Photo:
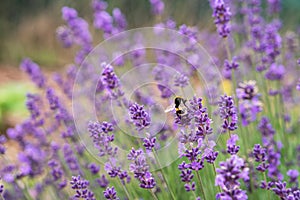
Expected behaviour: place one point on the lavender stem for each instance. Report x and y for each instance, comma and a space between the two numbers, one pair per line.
201, 185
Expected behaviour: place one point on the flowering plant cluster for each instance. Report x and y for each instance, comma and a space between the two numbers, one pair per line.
231, 138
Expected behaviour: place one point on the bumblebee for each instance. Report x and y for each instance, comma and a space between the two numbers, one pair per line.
178, 102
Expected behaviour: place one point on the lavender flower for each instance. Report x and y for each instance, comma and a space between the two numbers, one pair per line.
209, 154
94, 169
266, 129
8, 173
56, 170
186, 174
32, 159
157, 6
139, 116
165, 90
70, 158
181, 80
110, 193
33, 70
33, 105
120, 20
262, 168
234, 194
260, 155
273, 6
102, 181
273, 150
203, 123
298, 85
102, 137
249, 102
202, 120
110, 81
247, 90
140, 169
229, 66
64, 35
147, 182
196, 163
192, 154
49, 117
78, 26
274, 163
272, 41
81, 188
281, 190
99, 5
149, 143
190, 187
222, 15
104, 21
1, 189
63, 115
52, 99
115, 171
228, 176
2, 141
186, 138
232, 148
293, 174
111, 169
275, 72
190, 32
77, 32
109, 78
228, 113
66, 83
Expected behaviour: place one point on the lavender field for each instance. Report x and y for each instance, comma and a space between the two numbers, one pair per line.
168, 110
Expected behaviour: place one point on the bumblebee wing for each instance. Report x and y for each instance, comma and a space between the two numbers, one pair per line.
170, 108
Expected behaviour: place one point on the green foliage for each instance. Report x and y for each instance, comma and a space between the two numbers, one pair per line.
12, 98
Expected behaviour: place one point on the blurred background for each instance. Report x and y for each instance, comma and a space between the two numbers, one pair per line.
27, 29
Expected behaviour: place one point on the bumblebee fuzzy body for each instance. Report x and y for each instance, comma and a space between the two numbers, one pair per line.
178, 101
179, 109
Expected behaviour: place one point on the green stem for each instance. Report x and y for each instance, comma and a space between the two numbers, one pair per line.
26, 193
282, 125
244, 139
133, 190
213, 164
153, 194
215, 171
201, 185
265, 177
234, 85
227, 49
233, 80
265, 87
125, 189
194, 194
163, 175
